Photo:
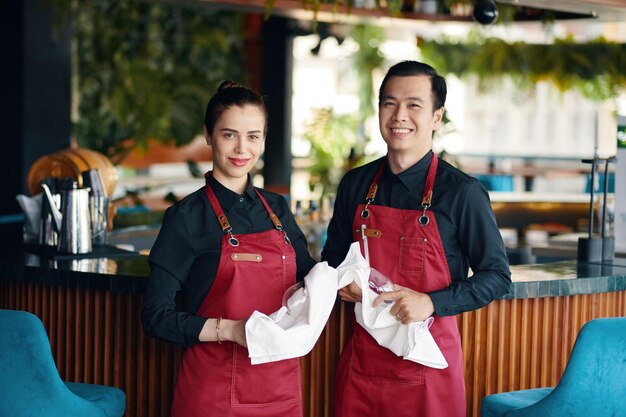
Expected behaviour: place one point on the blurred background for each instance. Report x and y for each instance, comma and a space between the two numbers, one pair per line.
535, 86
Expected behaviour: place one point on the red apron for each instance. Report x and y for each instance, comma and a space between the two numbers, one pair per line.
218, 379
371, 380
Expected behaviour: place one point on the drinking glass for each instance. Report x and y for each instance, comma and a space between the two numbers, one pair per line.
294, 296
380, 283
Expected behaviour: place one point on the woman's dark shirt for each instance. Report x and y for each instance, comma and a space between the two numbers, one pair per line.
186, 255
465, 220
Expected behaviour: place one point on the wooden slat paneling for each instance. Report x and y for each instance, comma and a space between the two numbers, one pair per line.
96, 337
537, 336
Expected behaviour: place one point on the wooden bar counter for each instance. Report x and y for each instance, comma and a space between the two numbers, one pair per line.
90, 308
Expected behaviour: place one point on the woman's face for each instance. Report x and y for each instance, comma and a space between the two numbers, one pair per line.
237, 141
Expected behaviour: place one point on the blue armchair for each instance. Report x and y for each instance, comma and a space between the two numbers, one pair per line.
593, 384
30, 384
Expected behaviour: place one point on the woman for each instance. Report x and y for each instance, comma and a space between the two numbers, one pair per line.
230, 249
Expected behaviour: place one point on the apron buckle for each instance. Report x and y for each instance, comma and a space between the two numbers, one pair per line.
233, 241
279, 227
423, 219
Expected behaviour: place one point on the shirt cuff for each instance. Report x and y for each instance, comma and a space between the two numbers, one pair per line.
193, 329
443, 302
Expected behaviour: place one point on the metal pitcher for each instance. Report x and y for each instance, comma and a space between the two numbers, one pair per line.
72, 221
47, 233
98, 206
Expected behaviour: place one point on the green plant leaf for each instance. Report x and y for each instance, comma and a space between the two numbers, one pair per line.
595, 68
146, 70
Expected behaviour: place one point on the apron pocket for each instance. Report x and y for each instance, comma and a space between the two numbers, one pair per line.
412, 255
372, 361
274, 383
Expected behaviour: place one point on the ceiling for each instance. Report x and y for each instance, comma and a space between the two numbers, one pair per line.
606, 10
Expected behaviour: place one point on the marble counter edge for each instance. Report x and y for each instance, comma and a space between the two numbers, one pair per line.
566, 287
129, 278
113, 282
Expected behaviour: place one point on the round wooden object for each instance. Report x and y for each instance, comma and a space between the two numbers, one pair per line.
70, 163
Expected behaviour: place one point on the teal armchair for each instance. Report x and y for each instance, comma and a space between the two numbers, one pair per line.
593, 384
30, 384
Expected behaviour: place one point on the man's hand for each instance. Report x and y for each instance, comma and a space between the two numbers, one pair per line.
409, 306
351, 293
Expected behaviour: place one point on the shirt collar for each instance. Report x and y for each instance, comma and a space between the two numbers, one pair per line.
227, 197
411, 177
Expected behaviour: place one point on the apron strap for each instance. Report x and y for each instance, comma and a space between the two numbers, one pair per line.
225, 224
430, 182
274, 218
428, 190
371, 193
217, 208
426, 196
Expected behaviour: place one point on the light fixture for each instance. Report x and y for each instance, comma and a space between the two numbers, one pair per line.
485, 12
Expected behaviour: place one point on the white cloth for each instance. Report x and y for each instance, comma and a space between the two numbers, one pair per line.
31, 206
282, 335
413, 341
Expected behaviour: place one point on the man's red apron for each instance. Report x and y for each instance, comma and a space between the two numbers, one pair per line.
218, 379
372, 381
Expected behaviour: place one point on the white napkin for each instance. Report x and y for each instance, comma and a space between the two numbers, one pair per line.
31, 206
282, 336
413, 341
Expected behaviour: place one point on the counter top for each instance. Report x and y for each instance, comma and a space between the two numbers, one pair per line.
566, 278
129, 274
124, 274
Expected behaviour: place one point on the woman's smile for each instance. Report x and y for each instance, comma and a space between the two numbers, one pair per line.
239, 162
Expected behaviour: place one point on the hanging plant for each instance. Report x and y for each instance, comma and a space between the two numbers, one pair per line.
144, 70
366, 60
595, 68
331, 136
338, 140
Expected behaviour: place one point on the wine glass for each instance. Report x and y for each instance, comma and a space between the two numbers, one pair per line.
380, 283
294, 296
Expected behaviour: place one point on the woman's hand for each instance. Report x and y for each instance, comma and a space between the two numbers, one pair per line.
229, 331
409, 305
234, 331
351, 293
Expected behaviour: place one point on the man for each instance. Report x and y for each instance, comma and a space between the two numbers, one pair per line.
427, 223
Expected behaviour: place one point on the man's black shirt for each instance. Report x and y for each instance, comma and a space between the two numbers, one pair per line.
465, 220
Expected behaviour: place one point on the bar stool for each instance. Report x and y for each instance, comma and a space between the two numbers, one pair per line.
593, 384
29, 380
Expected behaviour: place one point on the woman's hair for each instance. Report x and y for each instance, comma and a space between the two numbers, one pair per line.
229, 94
412, 68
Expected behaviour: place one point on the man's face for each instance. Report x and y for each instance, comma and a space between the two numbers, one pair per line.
406, 117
